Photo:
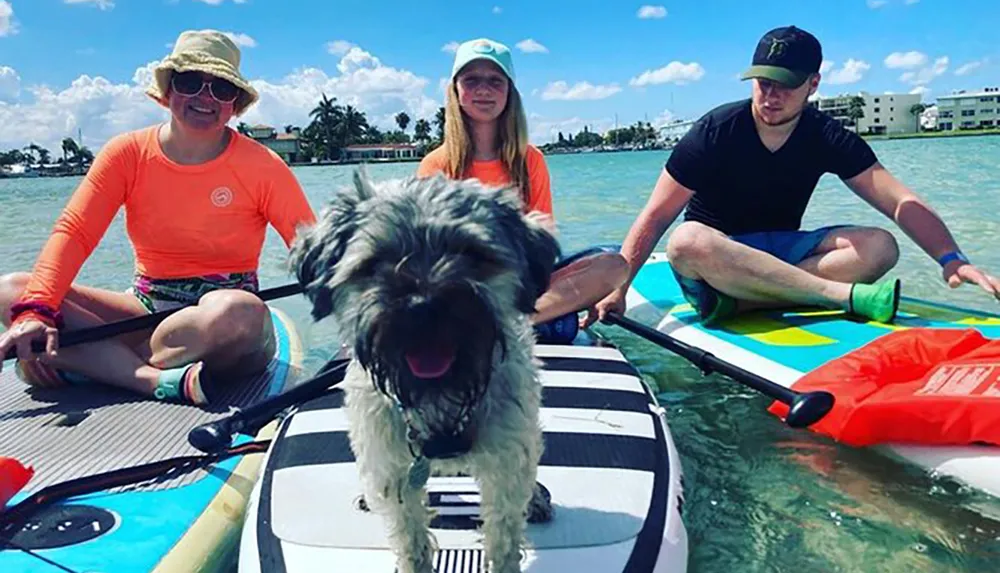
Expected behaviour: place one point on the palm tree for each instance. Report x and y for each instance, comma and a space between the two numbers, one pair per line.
84, 156
326, 115
373, 135
33, 150
439, 122
69, 149
402, 120
352, 126
422, 130
856, 110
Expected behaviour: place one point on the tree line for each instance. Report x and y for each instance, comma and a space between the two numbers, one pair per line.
332, 127
72, 154
639, 133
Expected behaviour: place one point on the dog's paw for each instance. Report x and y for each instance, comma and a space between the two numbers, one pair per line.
540, 507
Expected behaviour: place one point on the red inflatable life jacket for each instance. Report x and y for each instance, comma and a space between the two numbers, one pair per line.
918, 386
13, 477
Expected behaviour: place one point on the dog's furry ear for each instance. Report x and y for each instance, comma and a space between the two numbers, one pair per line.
540, 250
319, 248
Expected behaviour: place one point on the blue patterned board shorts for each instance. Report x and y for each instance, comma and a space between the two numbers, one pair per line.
165, 294
792, 247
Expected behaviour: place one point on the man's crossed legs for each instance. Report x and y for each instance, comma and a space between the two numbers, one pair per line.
832, 267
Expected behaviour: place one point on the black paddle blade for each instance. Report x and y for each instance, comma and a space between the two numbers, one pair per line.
809, 408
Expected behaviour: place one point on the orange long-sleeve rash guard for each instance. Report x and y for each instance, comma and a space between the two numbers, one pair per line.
183, 220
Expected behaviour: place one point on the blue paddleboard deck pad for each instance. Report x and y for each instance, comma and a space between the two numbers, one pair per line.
182, 523
784, 344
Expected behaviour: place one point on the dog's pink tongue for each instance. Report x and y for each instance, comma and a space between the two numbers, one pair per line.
430, 362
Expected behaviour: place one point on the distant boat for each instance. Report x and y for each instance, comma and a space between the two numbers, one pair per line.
20, 170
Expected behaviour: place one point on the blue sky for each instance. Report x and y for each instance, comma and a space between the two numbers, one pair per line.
81, 64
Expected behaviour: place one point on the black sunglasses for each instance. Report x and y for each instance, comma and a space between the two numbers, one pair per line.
190, 84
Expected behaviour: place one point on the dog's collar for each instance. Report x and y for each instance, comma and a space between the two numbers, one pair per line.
441, 445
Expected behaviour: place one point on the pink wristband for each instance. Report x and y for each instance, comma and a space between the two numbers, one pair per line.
38, 308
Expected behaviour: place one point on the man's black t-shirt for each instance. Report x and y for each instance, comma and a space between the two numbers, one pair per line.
740, 186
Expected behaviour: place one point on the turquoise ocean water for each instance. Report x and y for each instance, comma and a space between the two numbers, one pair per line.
760, 496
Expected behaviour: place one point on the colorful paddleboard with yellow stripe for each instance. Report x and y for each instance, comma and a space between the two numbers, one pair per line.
783, 345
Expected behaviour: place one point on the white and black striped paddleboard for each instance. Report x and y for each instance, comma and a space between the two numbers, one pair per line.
610, 466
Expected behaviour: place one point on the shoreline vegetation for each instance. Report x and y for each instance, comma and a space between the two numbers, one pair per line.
341, 134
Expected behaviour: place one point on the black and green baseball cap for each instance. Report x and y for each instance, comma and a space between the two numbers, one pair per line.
786, 55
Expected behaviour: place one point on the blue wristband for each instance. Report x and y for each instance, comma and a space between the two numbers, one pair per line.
952, 256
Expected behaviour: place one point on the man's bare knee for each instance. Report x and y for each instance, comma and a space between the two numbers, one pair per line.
11, 287
690, 244
879, 250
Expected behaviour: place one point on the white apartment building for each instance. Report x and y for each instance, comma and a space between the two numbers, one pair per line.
969, 110
883, 113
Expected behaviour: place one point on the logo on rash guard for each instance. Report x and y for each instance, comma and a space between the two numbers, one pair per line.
222, 197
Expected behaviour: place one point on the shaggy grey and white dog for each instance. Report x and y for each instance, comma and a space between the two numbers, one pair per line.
431, 281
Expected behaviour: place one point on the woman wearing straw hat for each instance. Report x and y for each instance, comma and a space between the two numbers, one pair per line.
486, 137
198, 197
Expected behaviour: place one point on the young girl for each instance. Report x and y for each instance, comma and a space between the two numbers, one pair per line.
486, 138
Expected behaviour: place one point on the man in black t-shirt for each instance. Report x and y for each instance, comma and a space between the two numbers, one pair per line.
746, 171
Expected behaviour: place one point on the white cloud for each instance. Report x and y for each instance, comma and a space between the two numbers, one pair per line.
825, 67
922, 90
665, 117
242, 40
450, 47
530, 46
102, 4
648, 12
926, 74
560, 90
970, 67
873, 4
674, 72
94, 105
8, 27
103, 109
852, 72
10, 83
497, 9
905, 60
338, 47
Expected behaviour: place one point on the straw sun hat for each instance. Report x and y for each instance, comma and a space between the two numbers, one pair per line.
207, 51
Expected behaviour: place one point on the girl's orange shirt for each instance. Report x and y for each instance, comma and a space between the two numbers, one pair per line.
182, 220
493, 173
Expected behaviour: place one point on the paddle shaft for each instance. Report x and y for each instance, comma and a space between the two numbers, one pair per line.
215, 436
806, 408
111, 329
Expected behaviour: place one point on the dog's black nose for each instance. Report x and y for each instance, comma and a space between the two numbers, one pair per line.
421, 311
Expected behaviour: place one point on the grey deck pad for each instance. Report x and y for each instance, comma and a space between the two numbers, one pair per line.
77, 431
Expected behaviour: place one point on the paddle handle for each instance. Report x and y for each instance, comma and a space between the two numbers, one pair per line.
111, 329
804, 409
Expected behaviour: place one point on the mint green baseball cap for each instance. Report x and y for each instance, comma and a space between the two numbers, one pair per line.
484, 49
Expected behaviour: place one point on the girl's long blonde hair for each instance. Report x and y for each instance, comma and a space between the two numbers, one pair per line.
512, 139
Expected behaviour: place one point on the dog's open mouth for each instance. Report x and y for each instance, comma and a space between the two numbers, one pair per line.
431, 360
